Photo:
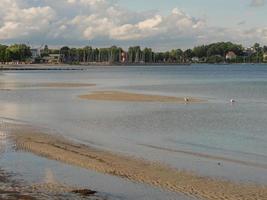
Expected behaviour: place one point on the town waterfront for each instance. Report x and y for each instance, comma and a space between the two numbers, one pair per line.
212, 138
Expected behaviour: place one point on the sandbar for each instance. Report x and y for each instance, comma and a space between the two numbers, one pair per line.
136, 97
58, 148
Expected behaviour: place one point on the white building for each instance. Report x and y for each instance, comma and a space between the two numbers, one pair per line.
52, 59
35, 53
195, 59
230, 55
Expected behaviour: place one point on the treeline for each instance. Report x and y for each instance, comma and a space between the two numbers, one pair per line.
212, 53
18, 52
114, 55
216, 52
89, 54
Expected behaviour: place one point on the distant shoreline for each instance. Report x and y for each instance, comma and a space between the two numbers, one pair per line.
64, 66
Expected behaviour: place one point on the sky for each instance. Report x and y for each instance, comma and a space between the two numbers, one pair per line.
159, 24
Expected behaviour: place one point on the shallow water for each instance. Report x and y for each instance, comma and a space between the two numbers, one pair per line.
107, 187
216, 139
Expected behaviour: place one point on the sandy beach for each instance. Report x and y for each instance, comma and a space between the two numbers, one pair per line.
33, 140
136, 97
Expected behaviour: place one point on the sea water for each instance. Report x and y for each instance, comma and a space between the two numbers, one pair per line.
217, 138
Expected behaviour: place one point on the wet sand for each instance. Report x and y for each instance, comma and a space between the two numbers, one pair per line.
58, 148
134, 97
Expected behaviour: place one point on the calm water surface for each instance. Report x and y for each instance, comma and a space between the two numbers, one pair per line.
216, 139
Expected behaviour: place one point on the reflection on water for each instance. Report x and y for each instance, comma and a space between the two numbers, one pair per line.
60, 178
49, 176
8, 107
218, 128
3, 141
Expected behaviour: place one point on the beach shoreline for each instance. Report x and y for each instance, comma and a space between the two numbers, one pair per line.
73, 67
36, 141
82, 66
66, 85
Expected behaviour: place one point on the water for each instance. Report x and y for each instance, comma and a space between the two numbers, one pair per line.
216, 139
107, 187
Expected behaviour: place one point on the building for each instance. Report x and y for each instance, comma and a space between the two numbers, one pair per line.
124, 57
195, 59
52, 59
230, 55
35, 53
265, 57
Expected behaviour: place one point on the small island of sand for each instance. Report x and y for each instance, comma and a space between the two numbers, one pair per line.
135, 97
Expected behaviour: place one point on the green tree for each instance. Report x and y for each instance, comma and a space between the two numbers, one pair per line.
148, 55
219, 48
19, 52
177, 55
45, 51
257, 47
200, 51
65, 54
215, 59
188, 54
3, 53
135, 54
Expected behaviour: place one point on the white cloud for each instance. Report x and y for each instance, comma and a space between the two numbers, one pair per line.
150, 23
86, 2
16, 21
59, 22
177, 24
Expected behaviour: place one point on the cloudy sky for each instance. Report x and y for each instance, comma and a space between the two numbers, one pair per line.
160, 24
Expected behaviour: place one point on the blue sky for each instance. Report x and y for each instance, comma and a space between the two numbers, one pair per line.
160, 24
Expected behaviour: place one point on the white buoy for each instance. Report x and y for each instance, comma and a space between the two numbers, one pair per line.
232, 101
